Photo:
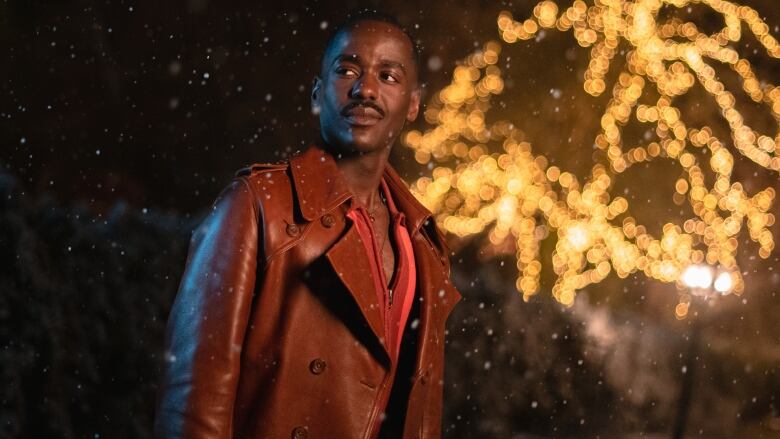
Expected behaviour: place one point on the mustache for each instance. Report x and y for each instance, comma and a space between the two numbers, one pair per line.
368, 104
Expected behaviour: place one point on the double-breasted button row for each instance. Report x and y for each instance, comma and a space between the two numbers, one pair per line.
327, 220
317, 366
293, 229
425, 377
300, 432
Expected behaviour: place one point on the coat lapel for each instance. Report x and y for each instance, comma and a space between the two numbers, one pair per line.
319, 189
348, 259
439, 296
319, 186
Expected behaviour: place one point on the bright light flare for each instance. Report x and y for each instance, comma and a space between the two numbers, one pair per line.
697, 276
724, 283
578, 237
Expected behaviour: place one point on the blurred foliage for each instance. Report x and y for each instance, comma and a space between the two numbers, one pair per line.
83, 303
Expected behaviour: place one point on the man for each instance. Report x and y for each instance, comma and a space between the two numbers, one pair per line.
315, 293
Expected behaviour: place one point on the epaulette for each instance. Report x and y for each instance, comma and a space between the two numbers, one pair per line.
258, 167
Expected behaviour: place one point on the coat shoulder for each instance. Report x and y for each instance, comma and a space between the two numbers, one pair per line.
262, 167
270, 182
273, 189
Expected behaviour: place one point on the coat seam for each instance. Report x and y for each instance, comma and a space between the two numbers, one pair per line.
378, 398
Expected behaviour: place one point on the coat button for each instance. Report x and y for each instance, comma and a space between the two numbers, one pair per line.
328, 220
293, 229
425, 377
300, 432
317, 366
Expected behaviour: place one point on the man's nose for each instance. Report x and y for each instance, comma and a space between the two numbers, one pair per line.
365, 88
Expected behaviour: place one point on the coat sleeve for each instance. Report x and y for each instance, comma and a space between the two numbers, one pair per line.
208, 320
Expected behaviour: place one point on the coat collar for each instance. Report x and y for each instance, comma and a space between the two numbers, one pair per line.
320, 188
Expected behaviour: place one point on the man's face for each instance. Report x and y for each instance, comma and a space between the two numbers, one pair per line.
367, 89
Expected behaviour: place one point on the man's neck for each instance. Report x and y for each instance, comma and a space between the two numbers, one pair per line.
363, 173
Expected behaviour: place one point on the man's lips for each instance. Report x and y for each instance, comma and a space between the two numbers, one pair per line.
360, 115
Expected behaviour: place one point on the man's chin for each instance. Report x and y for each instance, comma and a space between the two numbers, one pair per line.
366, 148
359, 145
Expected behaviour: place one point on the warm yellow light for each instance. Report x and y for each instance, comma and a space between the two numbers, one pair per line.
697, 276
494, 181
723, 283
578, 237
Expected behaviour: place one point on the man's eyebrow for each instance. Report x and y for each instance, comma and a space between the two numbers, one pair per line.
356, 59
395, 64
347, 57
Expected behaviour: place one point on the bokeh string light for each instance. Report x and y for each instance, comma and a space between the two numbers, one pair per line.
517, 193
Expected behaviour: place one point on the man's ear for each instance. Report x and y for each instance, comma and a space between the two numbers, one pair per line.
316, 89
414, 105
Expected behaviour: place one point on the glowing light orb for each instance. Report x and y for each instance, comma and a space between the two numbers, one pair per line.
697, 276
723, 283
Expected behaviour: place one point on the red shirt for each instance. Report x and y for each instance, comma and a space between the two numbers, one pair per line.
397, 296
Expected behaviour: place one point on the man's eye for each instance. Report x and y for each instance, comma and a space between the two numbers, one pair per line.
345, 71
389, 77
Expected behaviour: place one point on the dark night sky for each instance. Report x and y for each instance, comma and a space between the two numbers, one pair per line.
158, 103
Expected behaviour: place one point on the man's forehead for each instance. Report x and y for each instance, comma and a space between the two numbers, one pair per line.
369, 34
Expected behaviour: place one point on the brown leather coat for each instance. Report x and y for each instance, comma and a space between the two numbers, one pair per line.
276, 330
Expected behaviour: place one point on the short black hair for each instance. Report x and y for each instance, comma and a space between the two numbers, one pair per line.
361, 15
